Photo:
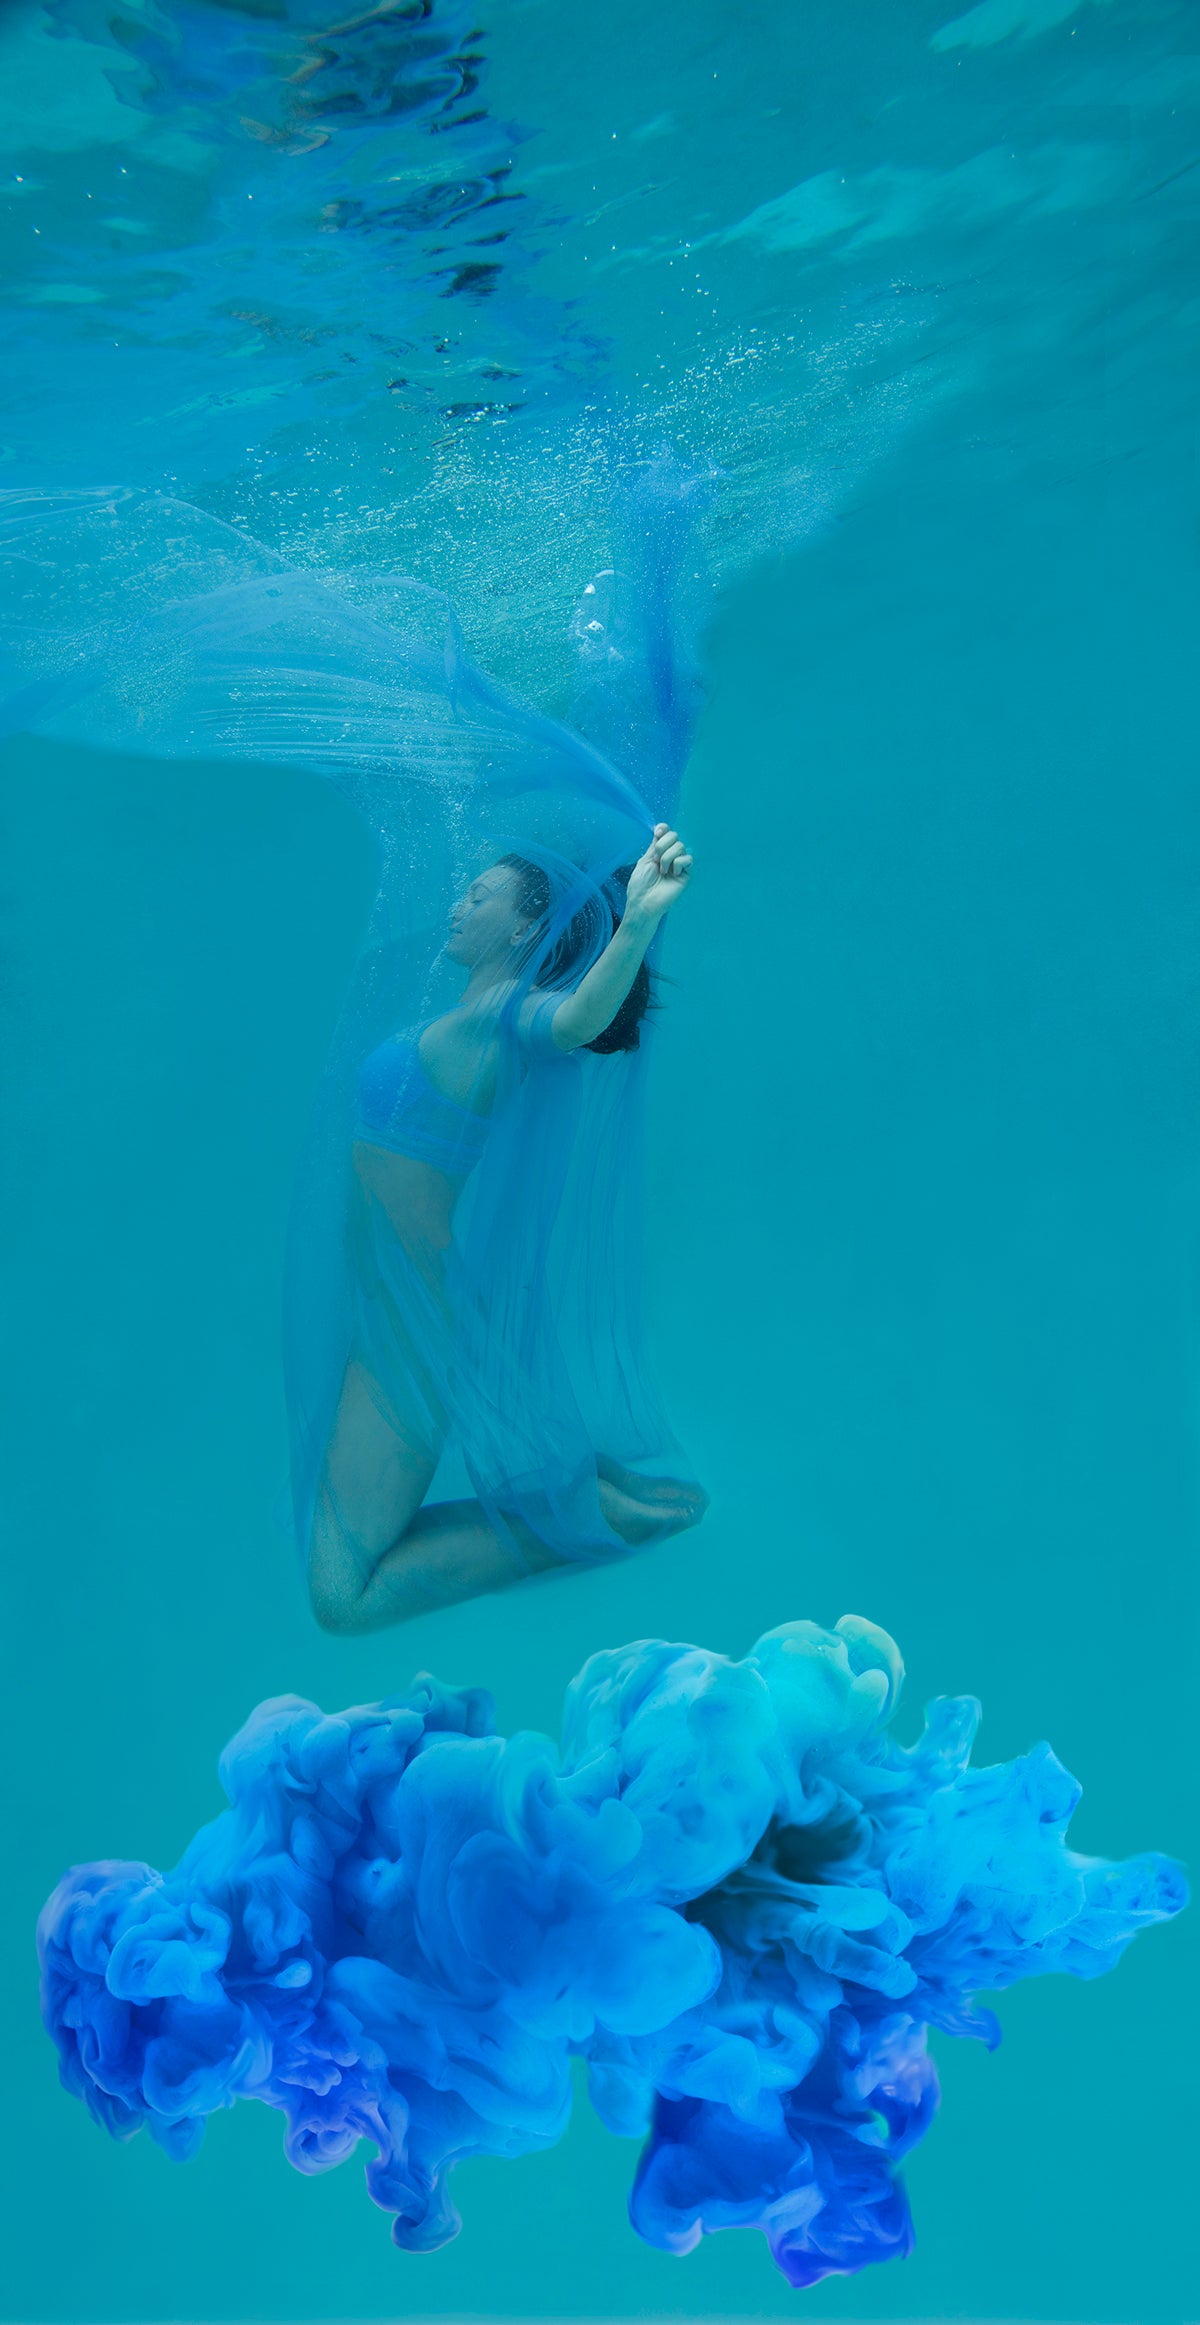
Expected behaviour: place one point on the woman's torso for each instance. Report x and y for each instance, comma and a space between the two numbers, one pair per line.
425, 1102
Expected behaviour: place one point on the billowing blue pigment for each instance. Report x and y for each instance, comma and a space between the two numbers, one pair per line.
730, 1891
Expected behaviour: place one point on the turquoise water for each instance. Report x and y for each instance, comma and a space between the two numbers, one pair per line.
925, 1301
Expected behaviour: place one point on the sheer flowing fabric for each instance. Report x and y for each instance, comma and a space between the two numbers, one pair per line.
136, 623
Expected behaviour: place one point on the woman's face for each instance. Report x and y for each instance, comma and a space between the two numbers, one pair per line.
485, 924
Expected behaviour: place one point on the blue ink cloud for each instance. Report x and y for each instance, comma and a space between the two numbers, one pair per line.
730, 1892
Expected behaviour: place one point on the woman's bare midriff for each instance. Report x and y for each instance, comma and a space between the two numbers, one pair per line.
418, 1199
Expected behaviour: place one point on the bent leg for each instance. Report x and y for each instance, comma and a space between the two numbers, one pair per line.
377, 1557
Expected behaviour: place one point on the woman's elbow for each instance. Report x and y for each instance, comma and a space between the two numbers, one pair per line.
566, 1033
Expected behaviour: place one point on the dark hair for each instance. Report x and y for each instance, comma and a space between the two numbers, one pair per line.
583, 933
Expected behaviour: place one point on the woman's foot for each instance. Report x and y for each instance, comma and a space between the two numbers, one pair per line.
646, 1509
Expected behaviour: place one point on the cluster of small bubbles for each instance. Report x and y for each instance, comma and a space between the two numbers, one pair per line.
510, 524
464, 436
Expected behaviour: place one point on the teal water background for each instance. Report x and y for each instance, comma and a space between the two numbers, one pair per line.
925, 1280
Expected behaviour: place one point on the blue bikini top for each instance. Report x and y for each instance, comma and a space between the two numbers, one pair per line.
400, 1108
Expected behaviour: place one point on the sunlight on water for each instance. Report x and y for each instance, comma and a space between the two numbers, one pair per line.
321, 279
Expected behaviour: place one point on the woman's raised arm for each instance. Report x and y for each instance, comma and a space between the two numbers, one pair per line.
656, 880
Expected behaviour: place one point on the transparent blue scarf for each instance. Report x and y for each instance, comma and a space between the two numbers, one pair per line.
134, 622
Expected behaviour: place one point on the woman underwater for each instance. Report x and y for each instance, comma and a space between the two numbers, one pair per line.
468, 1400
377, 1552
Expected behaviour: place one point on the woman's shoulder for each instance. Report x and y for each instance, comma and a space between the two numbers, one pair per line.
535, 1020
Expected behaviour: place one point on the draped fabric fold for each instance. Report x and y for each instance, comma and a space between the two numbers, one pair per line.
133, 622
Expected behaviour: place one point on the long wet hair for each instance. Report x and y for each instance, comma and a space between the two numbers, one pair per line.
577, 940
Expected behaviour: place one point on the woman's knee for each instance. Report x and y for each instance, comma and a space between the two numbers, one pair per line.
335, 1580
336, 1611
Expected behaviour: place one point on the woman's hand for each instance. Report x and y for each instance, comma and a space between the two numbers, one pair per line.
654, 883
658, 877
